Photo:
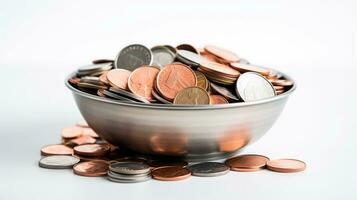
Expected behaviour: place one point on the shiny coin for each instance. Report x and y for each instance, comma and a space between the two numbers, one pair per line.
252, 86
171, 173
192, 96
94, 68
91, 149
72, 132
141, 81
208, 169
118, 78
286, 165
187, 47
128, 176
191, 57
129, 168
282, 82
100, 61
56, 149
202, 81
92, 86
224, 91
91, 168
172, 49
166, 163
222, 53
133, 56
247, 163
162, 56
116, 96
58, 162
217, 99
128, 95
136, 180
173, 78
250, 68
91, 79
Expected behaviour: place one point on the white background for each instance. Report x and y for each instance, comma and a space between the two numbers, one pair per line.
312, 41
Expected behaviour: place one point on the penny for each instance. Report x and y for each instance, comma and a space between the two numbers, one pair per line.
133, 56
187, 47
56, 149
74, 81
170, 173
84, 139
90, 132
58, 162
100, 93
219, 69
218, 99
118, 78
252, 86
141, 81
173, 78
91, 149
208, 169
129, 95
72, 132
250, 68
192, 96
129, 168
91, 168
247, 163
202, 81
279, 92
282, 82
286, 165
100, 61
278, 87
103, 78
224, 92
165, 163
222, 53
162, 56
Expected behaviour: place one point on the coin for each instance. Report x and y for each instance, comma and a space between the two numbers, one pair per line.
278, 87
56, 149
192, 96
193, 58
100, 93
173, 78
278, 92
128, 95
170, 173
141, 81
159, 98
202, 81
172, 49
82, 124
244, 61
132, 180
72, 132
58, 162
91, 168
91, 86
91, 80
286, 165
103, 78
219, 69
208, 169
250, 68
133, 56
252, 86
218, 99
222, 53
247, 163
118, 78
187, 47
84, 139
91, 149
282, 82
74, 81
129, 168
166, 163
100, 61
94, 68
162, 56
224, 91
116, 96
90, 132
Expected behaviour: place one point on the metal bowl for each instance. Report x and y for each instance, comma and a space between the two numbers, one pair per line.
191, 132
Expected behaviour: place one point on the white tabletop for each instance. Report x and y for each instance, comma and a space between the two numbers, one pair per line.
313, 43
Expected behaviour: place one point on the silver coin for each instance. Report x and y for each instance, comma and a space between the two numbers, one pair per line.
224, 91
172, 49
129, 168
129, 181
116, 96
91, 79
133, 56
94, 67
184, 56
252, 86
159, 98
128, 95
244, 61
162, 56
208, 169
92, 86
58, 162
127, 176
187, 47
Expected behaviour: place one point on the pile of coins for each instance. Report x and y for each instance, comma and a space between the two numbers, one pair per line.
184, 75
95, 157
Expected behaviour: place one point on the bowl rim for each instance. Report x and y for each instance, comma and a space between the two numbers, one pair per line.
180, 107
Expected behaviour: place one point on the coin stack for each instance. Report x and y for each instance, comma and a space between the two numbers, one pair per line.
129, 172
181, 75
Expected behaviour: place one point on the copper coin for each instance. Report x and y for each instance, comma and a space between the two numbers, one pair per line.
84, 139
103, 78
218, 99
91, 168
250, 68
90, 132
72, 132
247, 163
192, 96
202, 81
280, 92
74, 81
141, 81
56, 149
173, 78
92, 149
220, 69
166, 163
278, 87
282, 82
286, 165
118, 78
222, 53
82, 124
100, 93
187, 47
171, 173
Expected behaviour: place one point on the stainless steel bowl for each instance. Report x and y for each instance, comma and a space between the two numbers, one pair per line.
192, 132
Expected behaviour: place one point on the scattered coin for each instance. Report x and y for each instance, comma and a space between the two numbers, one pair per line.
91, 168
192, 96
162, 56
58, 162
118, 78
91, 149
286, 165
56, 149
129, 168
247, 163
170, 173
208, 169
218, 99
141, 81
133, 56
72, 132
84, 139
222, 53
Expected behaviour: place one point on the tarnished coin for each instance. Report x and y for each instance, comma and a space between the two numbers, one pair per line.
171, 173
192, 96
224, 91
162, 56
250, 68
217, 99
58, 162
208, 169
72, 132
166, 163
247, 163
252, 86
187, 47
129, 168
116, 96
222, 53
91, 168
286, 165
141, 81
118, 78
128, 95
193, 58
100, 61
56, 149
133, 56
202, 81
91, 149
